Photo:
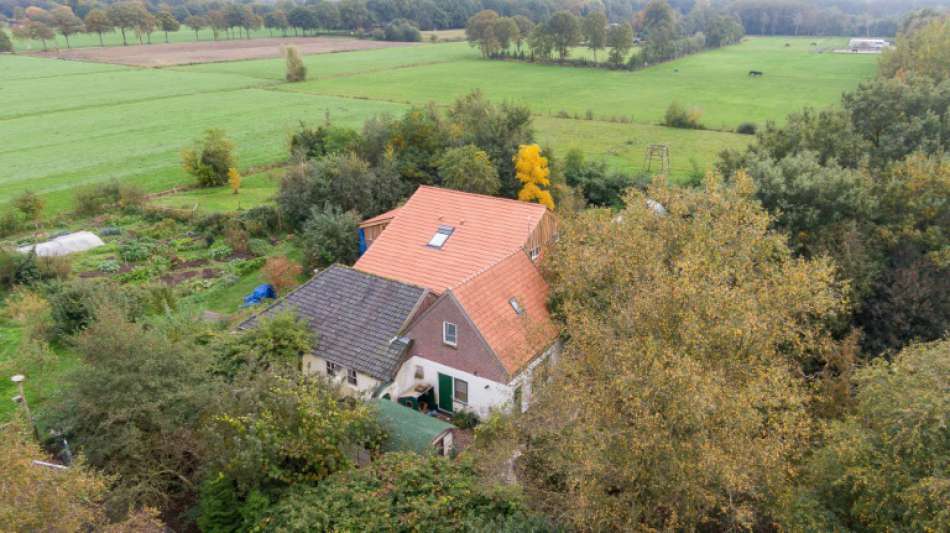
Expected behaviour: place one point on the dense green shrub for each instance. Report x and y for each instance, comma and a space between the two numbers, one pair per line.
678, 116
465, 419
746, 128
277, 342
75, 304
403, 488
330, 236
209, 159
261, 221
108, 266
402, 30
219, 252
884, 466
343, 180
315, 143
295, 68
212, 226
134, 250
9, 223
6, 45
96, 198
599, 186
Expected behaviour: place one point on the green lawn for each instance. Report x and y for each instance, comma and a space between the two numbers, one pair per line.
41, 381
74, 123
715, 81
255, 189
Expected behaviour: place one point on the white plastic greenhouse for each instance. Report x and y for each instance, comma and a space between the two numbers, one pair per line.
67, 244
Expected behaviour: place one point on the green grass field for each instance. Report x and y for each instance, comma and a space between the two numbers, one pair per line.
69, 123
715, 81
85, 40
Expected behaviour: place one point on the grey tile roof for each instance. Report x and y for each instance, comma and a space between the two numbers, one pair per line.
355, 315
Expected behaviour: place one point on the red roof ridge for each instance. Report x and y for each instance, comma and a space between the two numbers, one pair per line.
382, 216
483, 196
488, 267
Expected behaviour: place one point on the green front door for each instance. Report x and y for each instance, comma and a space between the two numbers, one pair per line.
445, 393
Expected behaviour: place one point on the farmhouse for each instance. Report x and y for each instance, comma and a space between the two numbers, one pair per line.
478, 344
358, 321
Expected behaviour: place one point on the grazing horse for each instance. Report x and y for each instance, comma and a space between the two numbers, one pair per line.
755, 73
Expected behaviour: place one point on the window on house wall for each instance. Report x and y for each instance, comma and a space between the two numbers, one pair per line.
516, 399
450, 334
420, 372
461, 391
535, 253
516, 305
332, 369
351, 377
441, 235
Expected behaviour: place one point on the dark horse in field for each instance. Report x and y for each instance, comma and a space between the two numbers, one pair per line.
755, 73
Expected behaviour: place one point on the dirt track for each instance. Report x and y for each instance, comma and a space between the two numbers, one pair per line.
163, 55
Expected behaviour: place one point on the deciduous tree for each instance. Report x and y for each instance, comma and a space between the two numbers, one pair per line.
532, 171
565, 31
620, 41
33, 30
920, 52
594, 28
884, 466
167, 22
281, 273
468, 169
329, 237
66, 22
692, 320
480, 32
133, 408
197, 23
97, 21
210, 159
127, 15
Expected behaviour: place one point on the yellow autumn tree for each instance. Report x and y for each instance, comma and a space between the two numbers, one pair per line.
234, 179
532, 170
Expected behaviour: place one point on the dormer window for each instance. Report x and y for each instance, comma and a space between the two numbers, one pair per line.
441, 235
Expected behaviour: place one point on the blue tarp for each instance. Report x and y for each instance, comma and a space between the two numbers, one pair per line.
362, 241
260, 293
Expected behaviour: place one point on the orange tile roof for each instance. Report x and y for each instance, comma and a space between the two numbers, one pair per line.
380, 218
486, 230
486, 297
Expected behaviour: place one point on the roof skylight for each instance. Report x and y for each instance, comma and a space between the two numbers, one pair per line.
516, 305
441, 235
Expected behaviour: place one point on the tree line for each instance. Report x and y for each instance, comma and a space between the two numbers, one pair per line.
663, 35
758, 17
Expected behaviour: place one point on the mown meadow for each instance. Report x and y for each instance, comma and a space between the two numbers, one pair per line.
71, 123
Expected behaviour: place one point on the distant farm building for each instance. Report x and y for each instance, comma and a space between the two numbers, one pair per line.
868, 45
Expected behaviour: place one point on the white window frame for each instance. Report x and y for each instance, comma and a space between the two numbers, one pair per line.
535, 253
352, 377
420, 372
455, 334
455, 391
332, 369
